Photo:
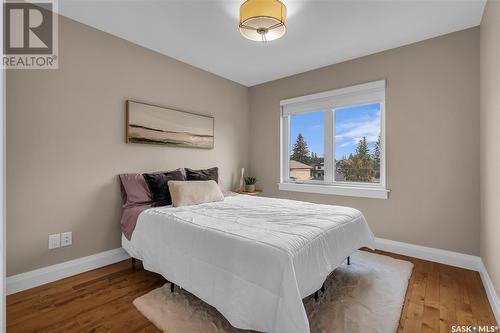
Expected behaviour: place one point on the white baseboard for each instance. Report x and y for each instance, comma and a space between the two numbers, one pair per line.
56, 272
456, 259
490, 291
448, 258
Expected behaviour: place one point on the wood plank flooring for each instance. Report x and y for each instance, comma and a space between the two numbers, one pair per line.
438, 296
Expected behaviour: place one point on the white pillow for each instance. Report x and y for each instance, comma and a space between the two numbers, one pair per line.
185, 193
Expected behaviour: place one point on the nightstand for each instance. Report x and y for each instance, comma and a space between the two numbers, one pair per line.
256, 192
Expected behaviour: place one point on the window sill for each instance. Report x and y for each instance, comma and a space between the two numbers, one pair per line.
351, 191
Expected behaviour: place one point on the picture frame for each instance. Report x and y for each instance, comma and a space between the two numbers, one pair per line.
158, 125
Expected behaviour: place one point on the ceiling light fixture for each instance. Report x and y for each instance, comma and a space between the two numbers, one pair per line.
262, 20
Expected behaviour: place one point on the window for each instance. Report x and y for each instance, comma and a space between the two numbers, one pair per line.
333, 142
307, 146
357, 143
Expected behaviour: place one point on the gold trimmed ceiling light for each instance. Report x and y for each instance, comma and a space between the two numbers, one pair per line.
262, 20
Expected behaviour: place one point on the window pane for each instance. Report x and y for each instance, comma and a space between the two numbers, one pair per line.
307, 141
357, 143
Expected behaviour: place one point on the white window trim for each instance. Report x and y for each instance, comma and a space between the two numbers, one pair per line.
331, 189
372, 92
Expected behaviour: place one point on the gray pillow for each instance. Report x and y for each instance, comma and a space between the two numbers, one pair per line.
157, 183
203, 174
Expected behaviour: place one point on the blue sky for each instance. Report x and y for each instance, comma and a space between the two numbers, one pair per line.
312, 127
351, 124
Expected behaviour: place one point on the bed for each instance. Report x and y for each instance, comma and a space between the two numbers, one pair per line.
253, 258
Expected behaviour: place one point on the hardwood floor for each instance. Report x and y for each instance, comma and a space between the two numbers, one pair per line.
438, 296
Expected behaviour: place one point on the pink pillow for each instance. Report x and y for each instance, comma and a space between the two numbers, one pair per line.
135, 190
129, 218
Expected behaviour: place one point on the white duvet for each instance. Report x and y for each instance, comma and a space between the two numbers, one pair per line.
252, 258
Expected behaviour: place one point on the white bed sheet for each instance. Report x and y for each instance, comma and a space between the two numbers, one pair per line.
252, 258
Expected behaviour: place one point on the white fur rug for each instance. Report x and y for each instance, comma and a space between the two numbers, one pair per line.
366, 296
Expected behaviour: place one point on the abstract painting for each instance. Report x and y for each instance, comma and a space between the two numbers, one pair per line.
153, 124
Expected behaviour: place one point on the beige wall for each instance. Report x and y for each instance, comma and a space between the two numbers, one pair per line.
65, 140
490, 141
432, 139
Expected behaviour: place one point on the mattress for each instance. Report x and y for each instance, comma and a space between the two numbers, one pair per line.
253, 258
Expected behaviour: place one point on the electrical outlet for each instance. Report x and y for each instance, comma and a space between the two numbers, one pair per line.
66, 238
54, 241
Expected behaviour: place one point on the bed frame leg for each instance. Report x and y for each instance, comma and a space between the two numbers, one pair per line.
133, 263
348, 260
316, 296
323, 288
172, 285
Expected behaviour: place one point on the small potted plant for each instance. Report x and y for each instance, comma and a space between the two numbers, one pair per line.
250, 183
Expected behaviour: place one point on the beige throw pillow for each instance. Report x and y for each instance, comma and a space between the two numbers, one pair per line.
185, 193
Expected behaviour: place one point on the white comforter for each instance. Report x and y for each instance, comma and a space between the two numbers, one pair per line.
252, 258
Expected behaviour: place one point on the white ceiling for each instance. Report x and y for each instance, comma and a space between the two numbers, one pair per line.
204, 33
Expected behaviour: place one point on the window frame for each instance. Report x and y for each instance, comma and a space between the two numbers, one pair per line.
328, 102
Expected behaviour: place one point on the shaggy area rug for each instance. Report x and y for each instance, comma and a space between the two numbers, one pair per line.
366, 296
